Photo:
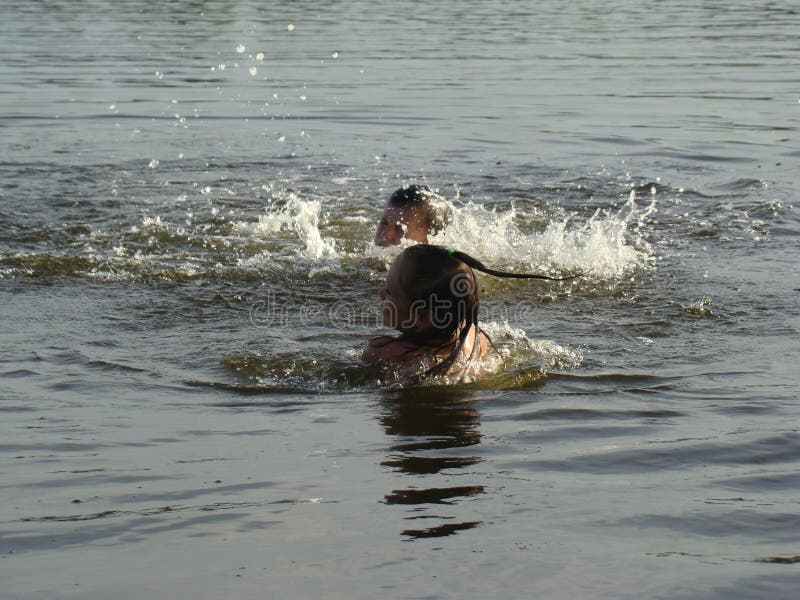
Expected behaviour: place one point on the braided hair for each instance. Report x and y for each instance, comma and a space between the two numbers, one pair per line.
436, 277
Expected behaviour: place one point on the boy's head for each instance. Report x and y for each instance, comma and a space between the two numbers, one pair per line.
412, 212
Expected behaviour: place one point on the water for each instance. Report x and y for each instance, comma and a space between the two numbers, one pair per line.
185, 298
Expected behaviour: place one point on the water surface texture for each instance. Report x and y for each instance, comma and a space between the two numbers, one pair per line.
188, 192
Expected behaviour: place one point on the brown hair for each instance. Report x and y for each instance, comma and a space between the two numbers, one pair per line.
434, 277
421, 197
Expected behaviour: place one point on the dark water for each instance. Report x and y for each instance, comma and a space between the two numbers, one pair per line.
184, 299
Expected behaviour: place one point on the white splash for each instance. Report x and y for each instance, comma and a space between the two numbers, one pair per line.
300, 216
153, 223
607, 245
517, 348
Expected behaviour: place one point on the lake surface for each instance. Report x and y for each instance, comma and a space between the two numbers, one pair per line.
188, 192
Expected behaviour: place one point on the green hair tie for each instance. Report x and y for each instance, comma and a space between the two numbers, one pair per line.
450, 252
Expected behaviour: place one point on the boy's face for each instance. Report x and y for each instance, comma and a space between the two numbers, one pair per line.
397, 223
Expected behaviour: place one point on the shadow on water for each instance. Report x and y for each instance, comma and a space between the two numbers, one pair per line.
432, 430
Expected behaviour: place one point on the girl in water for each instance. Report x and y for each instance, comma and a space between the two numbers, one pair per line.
431, 298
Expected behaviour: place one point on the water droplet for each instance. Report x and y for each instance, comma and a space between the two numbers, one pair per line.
260, 56
290, 27
240, 49
282, 138
335, 55
221, 67
303, 98
253, 71
153, 164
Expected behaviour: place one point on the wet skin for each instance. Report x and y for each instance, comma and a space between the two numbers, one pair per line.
397, 223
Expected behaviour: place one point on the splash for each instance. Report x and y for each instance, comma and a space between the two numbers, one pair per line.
608, 245
199, 241
519, 361
301, 217
702, 308
152, 223
516, 348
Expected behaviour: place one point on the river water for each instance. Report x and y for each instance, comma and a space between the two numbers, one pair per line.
188, 192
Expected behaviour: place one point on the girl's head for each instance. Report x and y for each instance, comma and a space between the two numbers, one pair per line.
429, 294
431, 297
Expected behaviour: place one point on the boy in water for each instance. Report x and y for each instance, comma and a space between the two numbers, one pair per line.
412, 212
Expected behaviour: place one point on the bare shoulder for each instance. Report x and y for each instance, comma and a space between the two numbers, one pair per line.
386, 348
484, 345
470, 351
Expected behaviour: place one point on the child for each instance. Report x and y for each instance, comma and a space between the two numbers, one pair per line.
431, 298
412, 212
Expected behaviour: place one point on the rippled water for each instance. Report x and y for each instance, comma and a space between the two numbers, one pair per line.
188, 192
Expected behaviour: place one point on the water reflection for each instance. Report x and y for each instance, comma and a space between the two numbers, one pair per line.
431, 425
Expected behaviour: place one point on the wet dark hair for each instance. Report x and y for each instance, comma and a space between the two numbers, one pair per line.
421, 196
410, 195
434, 274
